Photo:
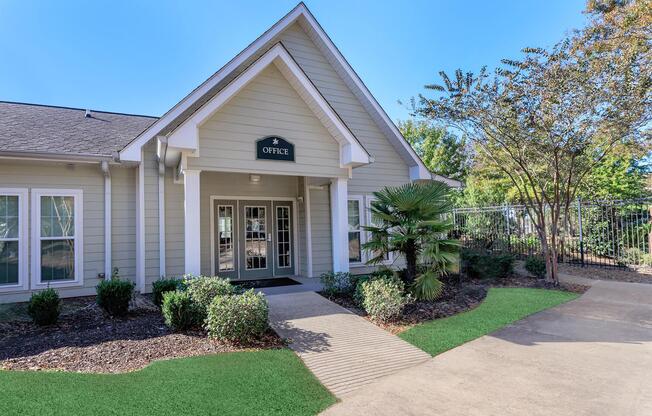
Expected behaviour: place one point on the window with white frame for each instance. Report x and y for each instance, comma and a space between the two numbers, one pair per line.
355, 229
370, 220
57, 231
13, 226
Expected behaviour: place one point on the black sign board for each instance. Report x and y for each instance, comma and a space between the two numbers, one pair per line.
274, 148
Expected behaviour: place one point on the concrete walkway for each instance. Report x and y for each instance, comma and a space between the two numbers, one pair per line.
591, 356
343, 350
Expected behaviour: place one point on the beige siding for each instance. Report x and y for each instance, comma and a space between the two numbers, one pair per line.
88, 178
152, 270
388, 167
123, 222
174, 244
236, 185
268, 105
320, 218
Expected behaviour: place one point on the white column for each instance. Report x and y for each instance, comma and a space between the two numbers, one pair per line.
192, 226
140, 226
339, 224
308, 222
161, 218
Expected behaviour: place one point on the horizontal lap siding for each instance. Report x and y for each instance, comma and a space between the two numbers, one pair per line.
268, 105
236, 185
123, 222
152, 252
174, 226
320, 219
87, 177
388, 169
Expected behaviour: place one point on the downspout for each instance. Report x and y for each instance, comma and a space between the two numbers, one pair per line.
162, 140
104, 166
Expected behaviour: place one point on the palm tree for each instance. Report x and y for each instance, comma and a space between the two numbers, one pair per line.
412, 220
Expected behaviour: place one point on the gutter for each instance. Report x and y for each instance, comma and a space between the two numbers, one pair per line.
60, 157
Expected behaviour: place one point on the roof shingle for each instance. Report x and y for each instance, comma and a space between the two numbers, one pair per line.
34, 128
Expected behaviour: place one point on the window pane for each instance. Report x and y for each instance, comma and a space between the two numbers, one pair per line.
225, 238
8, 262
354, 248
57, 216
354, 215
8, 216
57, 260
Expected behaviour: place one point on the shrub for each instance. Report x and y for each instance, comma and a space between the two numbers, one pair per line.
484, 265
358, 280
237, 318
180, 311
536, 265
114, 295
44, 307
337, 283
383, 299
204, 289
427, 286
162, 286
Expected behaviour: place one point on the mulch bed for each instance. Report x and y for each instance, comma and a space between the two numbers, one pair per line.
457, 297
86, 340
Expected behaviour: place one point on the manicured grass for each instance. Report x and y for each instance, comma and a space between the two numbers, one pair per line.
272, 382
501, 307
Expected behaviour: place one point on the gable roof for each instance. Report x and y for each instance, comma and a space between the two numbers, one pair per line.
41, 129
209, 88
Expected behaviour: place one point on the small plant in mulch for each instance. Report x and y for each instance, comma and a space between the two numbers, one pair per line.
162, 286
114, 295
44, 307
536, 266
238, 318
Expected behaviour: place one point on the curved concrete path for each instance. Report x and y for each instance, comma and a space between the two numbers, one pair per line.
343, 350
591, 356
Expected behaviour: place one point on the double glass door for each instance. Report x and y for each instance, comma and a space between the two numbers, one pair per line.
253, 239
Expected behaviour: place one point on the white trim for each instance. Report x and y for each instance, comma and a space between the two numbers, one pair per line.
192, 221
186, 135
161, 222
360, 200
23, 239
308, 225
339, 224
310, 24
78, 198
108, 230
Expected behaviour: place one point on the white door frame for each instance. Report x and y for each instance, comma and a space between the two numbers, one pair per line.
295, 234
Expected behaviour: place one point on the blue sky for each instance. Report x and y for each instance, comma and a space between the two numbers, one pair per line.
143, 56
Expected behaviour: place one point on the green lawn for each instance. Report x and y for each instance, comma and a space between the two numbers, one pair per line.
501, 307
272, 382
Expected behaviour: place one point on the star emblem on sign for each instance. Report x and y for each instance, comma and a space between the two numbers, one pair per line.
275, 142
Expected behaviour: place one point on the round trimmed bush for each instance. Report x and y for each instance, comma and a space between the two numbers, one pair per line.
337, 283
204, 289
383, 299
238, 318
114, 296
180, 311
536, 265
162, 286
44, 307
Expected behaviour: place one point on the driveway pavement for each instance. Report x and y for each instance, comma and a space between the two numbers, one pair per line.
591, 356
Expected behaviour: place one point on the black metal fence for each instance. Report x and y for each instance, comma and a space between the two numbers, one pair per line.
614, 233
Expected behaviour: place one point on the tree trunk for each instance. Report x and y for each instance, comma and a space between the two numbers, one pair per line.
411, 261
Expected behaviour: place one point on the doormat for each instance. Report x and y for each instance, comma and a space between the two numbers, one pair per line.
260, 283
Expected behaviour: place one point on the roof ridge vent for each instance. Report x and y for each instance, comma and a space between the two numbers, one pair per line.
88, 113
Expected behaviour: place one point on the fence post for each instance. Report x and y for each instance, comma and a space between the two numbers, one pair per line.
649, 235
579, 225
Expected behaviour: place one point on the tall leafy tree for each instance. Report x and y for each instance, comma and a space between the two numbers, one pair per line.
441, 151
547, 120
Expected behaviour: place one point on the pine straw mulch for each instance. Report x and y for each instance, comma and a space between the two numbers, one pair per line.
86, 340
457, 297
